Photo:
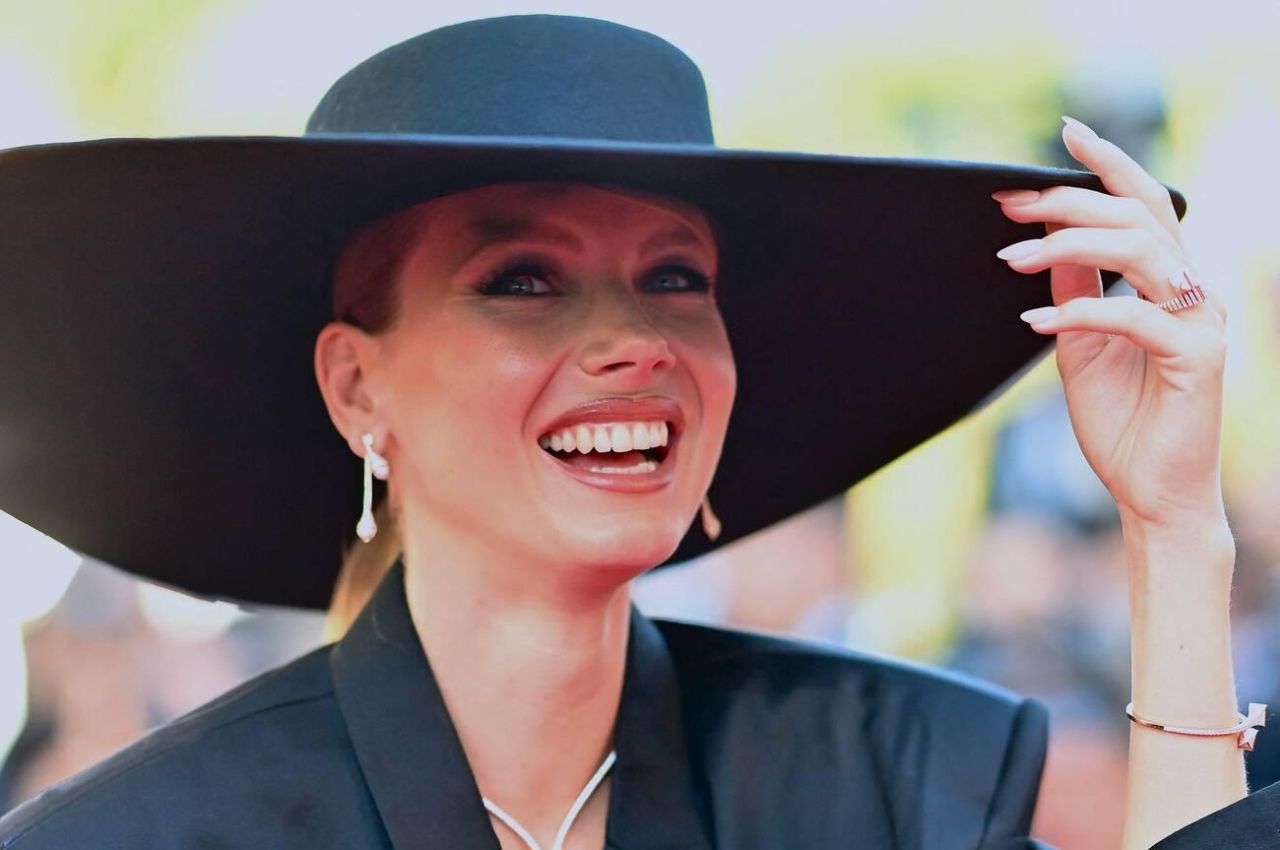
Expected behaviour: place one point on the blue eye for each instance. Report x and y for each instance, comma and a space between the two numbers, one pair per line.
522, 279
533, 279
678, 279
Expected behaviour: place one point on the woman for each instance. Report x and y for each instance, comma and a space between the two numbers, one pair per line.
555, 261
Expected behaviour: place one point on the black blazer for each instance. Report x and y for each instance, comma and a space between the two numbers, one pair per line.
725, 739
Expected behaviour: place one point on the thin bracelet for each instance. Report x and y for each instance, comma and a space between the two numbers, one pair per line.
1245, 727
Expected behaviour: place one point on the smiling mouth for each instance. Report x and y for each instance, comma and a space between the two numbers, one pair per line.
617, 448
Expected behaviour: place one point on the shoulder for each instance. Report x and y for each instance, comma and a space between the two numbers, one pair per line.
702, 651
1250, 823
205, 766
955, 760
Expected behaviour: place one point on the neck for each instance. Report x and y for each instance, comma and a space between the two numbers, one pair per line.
531, 671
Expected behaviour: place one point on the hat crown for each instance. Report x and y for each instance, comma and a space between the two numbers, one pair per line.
522, 76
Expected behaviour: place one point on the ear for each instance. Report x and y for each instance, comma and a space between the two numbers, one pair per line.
344, 360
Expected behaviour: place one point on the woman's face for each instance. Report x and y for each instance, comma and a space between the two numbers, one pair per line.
529, 313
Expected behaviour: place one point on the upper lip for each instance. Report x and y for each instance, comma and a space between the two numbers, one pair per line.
621, 409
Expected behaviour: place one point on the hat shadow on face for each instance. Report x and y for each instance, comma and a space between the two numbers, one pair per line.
423, 246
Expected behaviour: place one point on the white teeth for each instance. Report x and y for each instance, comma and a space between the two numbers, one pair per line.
601, 440
610, 437
620, 438
639, 469
640, 437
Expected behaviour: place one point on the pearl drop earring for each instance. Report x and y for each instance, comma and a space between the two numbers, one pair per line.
710, 522
375, 465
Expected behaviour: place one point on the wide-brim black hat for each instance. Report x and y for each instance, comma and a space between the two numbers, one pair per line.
160, 298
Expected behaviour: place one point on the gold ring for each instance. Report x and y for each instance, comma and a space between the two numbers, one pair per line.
1190, 293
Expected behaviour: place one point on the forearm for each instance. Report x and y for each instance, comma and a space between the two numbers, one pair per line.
1180, 588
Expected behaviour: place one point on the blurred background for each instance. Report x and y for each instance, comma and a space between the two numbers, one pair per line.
991, 549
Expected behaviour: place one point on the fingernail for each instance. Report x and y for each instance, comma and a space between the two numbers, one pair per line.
1039, 314
1079, 126
1016, 197
1019, 250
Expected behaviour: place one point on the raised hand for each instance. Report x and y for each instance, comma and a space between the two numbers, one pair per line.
1143, 386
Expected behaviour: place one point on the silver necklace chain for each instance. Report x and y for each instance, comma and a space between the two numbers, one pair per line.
569, 818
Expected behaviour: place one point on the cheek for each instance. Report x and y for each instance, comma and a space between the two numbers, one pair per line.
711, 362
708, 361
482, 383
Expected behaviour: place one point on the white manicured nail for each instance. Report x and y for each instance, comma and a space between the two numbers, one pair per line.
1039, 314
1019, 250
1079, 126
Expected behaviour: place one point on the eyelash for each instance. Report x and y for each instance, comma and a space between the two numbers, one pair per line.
490, 284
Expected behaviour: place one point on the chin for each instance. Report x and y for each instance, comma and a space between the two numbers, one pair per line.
631, 548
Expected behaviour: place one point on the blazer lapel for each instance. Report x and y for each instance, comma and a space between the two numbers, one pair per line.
413, 761
404, 740
658, 800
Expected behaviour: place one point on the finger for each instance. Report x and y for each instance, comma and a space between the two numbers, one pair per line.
1120, 173
1146, 325
1138, 254
1212, 299
1071, 281
1071, 205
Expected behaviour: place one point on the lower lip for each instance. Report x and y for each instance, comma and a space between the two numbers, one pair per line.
636, 482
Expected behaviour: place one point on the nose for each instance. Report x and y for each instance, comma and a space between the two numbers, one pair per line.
625, 343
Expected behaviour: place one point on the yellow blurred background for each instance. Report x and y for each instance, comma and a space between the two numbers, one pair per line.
959, 553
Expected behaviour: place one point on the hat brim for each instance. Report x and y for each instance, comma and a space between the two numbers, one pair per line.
159, 302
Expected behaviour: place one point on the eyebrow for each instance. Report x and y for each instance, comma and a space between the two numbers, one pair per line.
679, 236
492, 229
489, 230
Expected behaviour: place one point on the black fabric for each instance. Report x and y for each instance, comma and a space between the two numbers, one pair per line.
1252, 823
527, 75
725, 740
161, 298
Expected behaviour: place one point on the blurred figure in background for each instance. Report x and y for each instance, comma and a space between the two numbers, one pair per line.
1039, 618
792, 578
107, 665
1256, 519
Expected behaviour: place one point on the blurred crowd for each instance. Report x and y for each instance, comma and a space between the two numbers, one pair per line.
1034, 597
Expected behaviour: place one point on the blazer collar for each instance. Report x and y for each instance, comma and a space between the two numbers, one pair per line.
412, 759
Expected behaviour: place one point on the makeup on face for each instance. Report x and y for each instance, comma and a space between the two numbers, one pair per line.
561, 362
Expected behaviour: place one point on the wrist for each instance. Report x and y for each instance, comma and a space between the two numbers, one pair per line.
1195, 546
1180, 599
1205, 514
